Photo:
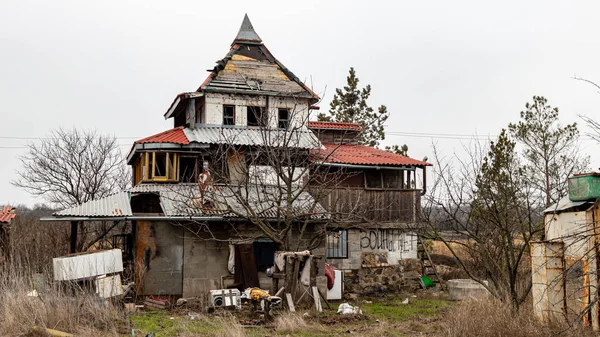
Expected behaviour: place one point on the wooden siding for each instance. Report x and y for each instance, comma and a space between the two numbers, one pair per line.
366, 205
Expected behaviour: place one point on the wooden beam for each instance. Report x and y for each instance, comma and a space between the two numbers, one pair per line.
290, 302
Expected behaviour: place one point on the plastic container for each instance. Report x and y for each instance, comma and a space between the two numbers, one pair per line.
584, 187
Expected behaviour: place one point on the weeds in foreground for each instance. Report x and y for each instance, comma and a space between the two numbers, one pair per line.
55, 307
493, 318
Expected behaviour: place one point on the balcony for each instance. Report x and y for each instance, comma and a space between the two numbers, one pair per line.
360, 205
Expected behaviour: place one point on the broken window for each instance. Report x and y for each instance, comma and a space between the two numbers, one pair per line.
337, 244
392, 178
257, 116
283, 118
158, 166
228, 114
373, 178
188, 169
264, 254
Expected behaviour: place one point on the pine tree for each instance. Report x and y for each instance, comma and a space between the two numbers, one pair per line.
550, 150
349, 105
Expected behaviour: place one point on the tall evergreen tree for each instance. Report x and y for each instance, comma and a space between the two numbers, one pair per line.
350, 105
550, 150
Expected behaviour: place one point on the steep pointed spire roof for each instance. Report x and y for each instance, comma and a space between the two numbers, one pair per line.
246, 34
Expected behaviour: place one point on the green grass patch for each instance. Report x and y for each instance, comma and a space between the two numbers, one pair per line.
164, 324
392, 309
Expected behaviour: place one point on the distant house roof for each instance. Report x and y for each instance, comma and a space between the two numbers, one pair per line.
334, 126
182, 201
7, 214
364, 155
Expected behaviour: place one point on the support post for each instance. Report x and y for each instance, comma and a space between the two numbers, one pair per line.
74, 225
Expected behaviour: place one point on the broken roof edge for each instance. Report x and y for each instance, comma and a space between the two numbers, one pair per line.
565, 204
178, 100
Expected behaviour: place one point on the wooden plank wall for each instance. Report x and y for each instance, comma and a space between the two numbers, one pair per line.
357, 204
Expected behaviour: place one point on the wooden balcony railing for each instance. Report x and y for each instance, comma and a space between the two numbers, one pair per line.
366, 205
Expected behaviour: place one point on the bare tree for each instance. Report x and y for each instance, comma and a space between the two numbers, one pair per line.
486, 205
71, 167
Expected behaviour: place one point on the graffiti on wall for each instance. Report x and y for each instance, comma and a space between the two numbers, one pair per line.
390, 239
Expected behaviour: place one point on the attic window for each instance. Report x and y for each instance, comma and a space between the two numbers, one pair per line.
257, 116
284, 115
158, 166
228, 114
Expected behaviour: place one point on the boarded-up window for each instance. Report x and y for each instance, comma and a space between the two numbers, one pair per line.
337, 244
228, 115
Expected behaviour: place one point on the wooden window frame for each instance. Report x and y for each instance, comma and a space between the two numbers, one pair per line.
342, 249
171, 167
232, 117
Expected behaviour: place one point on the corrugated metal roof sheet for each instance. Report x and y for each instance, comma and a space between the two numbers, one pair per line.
173, 136
263, 201
7, 214
364, 155
334, 126
111, 206
563, 205
184, 200
242, 135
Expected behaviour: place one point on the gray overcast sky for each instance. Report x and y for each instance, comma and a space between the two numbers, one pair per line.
449, 67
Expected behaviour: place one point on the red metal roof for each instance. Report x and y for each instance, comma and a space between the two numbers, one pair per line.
173, 136
334, 126
365, 155
7, 214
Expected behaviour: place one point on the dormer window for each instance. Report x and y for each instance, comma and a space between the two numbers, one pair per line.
228, 114
284, 115
257, 116
158, 166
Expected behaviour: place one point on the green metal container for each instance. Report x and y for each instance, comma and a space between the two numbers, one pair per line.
584, 187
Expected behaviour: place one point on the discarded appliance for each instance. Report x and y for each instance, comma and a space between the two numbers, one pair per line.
226, 298
87, 265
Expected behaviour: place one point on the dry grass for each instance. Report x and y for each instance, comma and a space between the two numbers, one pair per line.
55, 307
290, 322
494, 319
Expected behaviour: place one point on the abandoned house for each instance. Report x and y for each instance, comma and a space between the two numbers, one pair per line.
242, 173
376, 205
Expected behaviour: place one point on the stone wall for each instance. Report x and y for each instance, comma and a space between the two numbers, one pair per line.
400, 278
